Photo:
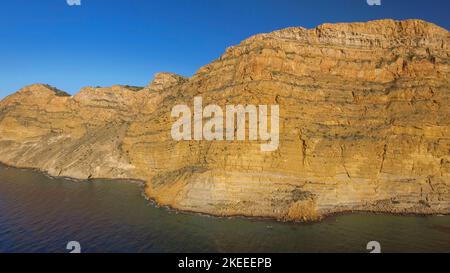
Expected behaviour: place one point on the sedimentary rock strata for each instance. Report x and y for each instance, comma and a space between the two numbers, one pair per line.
364, 125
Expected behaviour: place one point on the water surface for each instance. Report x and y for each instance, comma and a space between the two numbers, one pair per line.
42, 214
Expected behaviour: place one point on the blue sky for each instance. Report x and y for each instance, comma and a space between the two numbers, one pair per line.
106, 42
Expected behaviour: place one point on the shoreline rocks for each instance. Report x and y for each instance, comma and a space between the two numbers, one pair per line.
364, 125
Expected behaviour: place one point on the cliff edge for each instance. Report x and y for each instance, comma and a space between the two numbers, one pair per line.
364, 125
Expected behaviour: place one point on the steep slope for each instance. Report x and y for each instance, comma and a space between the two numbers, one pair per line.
364, 125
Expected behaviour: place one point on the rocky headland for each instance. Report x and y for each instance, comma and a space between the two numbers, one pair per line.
364, 125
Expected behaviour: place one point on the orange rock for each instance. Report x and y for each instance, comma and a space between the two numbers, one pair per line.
364, 125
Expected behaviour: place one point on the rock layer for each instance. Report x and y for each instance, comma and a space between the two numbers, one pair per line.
364, 125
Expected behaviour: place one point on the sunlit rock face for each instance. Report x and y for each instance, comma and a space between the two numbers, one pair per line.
364, 125
165, 80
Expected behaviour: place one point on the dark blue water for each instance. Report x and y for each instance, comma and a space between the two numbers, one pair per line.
42, 214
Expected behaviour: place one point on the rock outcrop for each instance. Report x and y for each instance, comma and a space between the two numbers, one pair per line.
364, 125
165, 80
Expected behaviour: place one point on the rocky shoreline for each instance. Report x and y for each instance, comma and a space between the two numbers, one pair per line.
364, 125
142, 184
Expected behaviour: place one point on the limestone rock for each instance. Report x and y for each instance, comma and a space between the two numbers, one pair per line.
364, 125
165, 80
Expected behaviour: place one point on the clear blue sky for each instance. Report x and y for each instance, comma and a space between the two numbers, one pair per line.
106, 42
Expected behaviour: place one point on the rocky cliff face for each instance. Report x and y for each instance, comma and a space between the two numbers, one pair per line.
364, 125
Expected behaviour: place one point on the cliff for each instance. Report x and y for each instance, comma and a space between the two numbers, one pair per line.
364, 125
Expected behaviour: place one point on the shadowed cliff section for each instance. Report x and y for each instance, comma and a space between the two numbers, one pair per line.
364, 125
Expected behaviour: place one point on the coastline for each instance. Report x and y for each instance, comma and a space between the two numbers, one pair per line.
142, 185
384, 150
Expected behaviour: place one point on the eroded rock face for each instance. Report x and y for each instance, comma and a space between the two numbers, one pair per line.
165, 80
364, 125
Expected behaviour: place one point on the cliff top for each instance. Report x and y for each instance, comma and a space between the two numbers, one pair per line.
385, 32
40, 88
